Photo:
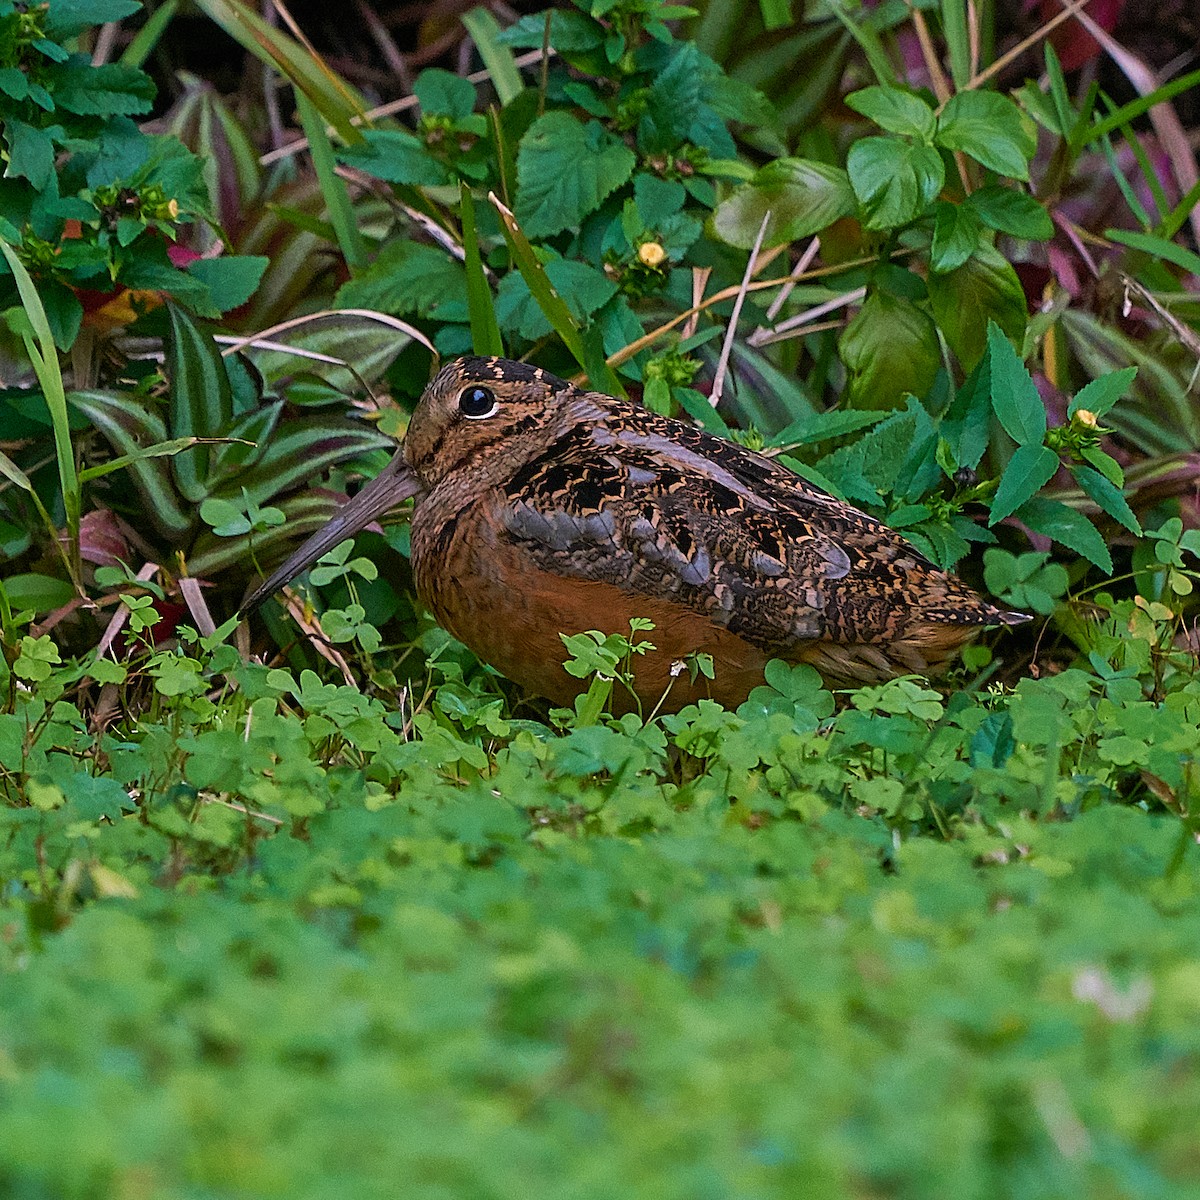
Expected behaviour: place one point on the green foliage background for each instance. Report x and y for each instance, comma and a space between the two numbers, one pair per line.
280, 931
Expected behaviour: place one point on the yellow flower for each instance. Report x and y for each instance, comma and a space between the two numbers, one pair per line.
652, 254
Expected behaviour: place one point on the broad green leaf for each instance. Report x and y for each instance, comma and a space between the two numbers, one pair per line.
894, 110
966, 423
583, 288
30, 152
564, 172
128, 424
396, 156
410, 277
1101, 394
1069, 527
1110, 498
37, 593
104, 91
231, 280
890, 349
989, 128
201, 400
803, 198
1015, 399
985, 288
955, 236
1027, 472
66, 18
894, 180
444, 93
1010, 211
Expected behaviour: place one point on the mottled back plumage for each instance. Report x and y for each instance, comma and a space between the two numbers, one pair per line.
541, 509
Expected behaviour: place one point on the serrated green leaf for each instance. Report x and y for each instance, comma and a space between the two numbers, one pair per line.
1010, 211
989, 128
410, 278
1027, 472
893, 180
105, 91
231, 280
66, 18
1015, 399
803, 197
894, 110
1110, 498
396, 156
985, 288
1101, 394
1069, 527
583, 288
30, 152
565, 170
445, 94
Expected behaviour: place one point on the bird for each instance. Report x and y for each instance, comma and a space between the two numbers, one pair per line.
542, 509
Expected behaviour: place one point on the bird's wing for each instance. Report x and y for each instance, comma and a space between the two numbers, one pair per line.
665, 511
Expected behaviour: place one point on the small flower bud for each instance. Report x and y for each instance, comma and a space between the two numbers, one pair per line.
652, 254
1086, 418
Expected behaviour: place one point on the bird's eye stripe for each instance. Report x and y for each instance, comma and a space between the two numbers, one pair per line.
476, 403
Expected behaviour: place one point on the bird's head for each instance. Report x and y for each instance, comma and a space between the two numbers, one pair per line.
479, 411
478, 418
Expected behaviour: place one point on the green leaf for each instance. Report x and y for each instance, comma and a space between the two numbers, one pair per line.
485, 332
564, 171
955, 236
803, 198
890, 349
66, 18
894, 180
894, 110
201, 400
1069, 527
30, 152
231, 280
583, 288
1015, 399
104, 91
571, 32
1013, 212
1101, 394
409, 277
989, 128
37, 593
497, 58
396, 156
965, 425
1110, 498
985, 288
1027, 472
333, 187
445, 94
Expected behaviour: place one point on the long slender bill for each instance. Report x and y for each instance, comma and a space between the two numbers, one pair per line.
393, 485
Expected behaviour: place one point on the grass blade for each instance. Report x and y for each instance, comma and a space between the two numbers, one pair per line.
333, 186
485, 332
553, 306
498, 59
44, 356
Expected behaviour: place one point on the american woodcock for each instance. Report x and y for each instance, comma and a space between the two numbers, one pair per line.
543, 509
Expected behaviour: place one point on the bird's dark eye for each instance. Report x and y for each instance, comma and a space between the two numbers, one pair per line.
477, 403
